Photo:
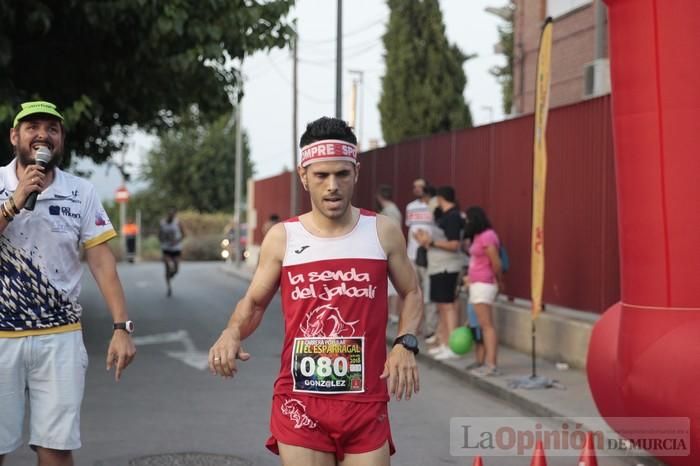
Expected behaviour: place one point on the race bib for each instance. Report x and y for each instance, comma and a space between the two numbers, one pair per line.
328, 365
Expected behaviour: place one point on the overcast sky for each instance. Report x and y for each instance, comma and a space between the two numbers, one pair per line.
267, 106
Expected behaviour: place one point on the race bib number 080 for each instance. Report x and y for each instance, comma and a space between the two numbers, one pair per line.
328, 365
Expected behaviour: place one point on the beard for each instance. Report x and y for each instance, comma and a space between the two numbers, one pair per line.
26, 155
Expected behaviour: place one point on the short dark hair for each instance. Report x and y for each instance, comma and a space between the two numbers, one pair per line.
446, 192
327, 128
420, 178
385, 191
477, 221
429, 190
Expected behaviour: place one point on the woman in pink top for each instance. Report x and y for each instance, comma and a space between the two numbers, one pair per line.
484, 280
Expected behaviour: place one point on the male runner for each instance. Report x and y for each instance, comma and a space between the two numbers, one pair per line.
171, 234
330, 398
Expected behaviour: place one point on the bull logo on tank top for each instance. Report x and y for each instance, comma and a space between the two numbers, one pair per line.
326, 321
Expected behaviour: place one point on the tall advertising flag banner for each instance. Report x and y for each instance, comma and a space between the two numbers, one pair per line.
539, 172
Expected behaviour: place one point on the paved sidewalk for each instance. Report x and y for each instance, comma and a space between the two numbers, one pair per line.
572, 402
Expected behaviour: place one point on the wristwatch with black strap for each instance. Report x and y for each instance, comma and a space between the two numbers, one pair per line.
409, 341
127, 326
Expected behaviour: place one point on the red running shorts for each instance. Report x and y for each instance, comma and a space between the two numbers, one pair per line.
333, 426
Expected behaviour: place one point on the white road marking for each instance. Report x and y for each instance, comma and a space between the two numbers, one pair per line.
197, 359
190, 355
160, 338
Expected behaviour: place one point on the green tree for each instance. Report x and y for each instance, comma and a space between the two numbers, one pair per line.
193, 168
422, 90
111, 64
504, 74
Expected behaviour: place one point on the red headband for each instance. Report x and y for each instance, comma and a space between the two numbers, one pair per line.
328, 150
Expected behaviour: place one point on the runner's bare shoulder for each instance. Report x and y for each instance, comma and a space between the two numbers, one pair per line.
274, 243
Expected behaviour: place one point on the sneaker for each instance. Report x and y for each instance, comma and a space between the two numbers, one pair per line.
446, 354
486, 371
431, 339
472, 366
437, 350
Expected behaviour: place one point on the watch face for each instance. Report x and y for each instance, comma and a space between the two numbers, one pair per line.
130, 326
410, 341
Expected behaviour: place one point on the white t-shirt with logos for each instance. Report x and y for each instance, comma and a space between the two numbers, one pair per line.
40, 267
419, 216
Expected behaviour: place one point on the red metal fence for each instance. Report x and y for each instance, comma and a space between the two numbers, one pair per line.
491, 166
270, 196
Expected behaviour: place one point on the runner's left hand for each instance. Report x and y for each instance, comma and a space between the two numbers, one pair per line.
225, 352
120, 353
401, 371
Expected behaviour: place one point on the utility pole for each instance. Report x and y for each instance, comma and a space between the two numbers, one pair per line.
352, 118
239, 180
339, 64
294, 185
138, 236
122, 206
600, 13
359, 115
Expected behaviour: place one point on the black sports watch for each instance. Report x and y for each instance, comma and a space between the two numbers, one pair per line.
409, 341
128, 326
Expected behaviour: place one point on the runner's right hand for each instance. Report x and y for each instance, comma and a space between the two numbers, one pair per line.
223, 355
401, 371
32, 180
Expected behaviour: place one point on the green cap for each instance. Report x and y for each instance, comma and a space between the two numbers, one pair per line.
35, 108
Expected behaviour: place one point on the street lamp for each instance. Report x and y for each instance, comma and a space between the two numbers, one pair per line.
358, 78
504, 12
489, 109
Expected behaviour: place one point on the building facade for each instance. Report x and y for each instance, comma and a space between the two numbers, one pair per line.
580, 68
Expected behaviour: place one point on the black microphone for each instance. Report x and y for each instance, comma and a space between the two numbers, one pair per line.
43, 157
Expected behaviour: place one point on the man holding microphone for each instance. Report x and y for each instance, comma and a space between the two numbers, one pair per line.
41, 344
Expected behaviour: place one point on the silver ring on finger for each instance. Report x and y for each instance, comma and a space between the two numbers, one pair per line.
217, 359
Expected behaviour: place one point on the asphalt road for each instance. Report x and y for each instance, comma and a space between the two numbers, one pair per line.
167, 405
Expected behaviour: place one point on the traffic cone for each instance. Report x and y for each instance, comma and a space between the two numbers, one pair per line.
538, 458
477, 461
588, 457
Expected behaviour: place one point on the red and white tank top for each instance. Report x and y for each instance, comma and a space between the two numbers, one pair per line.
334, 301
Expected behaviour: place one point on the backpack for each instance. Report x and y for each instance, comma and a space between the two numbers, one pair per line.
505, 260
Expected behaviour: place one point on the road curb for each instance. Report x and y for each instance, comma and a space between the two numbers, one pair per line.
483, 384
512, 397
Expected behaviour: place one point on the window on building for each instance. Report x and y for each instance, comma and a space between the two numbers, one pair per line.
560, 7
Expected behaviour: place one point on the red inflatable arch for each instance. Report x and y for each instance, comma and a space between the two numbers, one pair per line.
644, 355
